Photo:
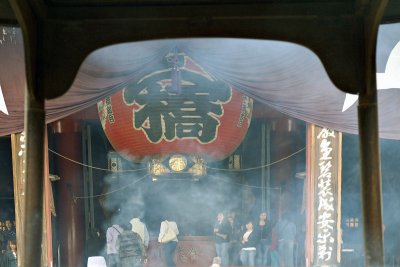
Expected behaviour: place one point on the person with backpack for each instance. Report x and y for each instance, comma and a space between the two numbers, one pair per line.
130, 247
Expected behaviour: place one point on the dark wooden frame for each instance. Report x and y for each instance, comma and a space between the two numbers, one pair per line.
59, 34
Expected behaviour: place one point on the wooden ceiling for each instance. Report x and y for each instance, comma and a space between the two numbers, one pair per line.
59, 34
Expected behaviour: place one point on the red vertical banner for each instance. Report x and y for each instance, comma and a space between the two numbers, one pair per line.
324, 168
309, 202
47, 251
18, 159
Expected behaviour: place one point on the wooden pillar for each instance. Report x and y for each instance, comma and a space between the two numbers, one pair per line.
34, 171
68, 143
371, 187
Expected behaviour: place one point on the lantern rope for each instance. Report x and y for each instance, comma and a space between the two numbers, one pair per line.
112, 191
210, 168
93, 167
258, 167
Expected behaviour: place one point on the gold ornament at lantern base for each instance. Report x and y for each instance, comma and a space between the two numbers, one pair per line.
176, 164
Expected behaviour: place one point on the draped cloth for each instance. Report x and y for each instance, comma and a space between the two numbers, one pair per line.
285, 76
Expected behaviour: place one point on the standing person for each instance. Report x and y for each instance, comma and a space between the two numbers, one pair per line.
265, 230
250, 240
9, 232
169, 238
10, 256
3, 243
234, 239
111, 237
216, 262
286, 235
131, 251
221, 235
273, 250
140, 228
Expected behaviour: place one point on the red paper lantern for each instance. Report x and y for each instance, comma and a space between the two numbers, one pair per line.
176, 109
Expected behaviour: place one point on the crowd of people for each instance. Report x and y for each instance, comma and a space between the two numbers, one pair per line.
250, 243
8, 257
127, 243
255, 242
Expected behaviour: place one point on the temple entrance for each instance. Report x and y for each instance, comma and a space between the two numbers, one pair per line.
255, 178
